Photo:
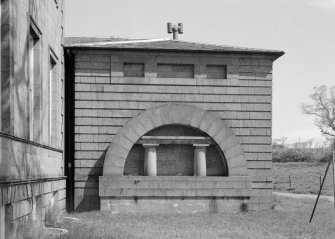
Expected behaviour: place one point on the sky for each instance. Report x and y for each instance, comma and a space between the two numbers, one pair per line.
304, 29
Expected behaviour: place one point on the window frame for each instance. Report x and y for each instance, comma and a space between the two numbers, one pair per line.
52, 94
34, 69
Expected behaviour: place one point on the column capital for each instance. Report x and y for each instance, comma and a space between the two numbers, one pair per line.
200, 145
150, 145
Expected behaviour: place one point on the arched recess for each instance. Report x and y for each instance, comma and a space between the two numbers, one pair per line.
181, 114
174, 158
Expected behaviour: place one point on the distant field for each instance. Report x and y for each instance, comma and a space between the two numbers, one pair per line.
305, 177
289, 219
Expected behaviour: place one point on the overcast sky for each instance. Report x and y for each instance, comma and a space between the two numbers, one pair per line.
304, 29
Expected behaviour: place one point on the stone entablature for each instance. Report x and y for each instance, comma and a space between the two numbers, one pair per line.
175, 140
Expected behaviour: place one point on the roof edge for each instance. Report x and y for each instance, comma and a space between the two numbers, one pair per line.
253, 51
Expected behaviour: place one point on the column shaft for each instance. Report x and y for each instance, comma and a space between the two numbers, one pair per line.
200, 159
150, 159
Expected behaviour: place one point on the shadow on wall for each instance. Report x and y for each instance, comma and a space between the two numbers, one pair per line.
87, 199
18, 160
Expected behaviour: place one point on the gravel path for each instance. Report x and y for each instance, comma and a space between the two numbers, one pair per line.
308, 196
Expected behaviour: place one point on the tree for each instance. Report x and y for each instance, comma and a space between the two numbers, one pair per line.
280, 141
322, 109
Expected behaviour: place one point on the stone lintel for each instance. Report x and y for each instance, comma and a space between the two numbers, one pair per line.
200, 145
150, 145
175, 140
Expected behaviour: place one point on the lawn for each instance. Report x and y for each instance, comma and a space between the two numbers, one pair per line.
289, 219
305, 177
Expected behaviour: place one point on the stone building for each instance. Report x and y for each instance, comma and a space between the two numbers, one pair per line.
31, 117
168, 125
144, 125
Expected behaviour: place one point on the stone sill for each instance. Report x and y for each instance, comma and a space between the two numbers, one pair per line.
9, 182
26, 141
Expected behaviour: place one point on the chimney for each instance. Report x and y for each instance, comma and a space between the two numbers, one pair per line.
175, 29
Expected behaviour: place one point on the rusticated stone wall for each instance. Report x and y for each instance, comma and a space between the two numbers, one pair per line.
31, 148
105, 101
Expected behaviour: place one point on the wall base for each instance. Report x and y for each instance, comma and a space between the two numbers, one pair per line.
169, 205
24, 204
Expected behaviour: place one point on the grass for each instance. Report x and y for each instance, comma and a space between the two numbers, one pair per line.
289, 219
305, 177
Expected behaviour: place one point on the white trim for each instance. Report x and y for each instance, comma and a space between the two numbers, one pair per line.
119, 42
52, 89
31, 85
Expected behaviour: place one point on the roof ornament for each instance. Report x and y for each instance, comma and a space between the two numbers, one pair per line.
175, 29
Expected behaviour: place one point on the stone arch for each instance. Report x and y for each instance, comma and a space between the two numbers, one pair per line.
181, 114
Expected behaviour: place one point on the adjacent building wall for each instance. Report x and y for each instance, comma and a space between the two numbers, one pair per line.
105, 100
31, 137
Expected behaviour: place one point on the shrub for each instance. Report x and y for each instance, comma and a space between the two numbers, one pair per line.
29, 229
52, 216
244, 207
300, 155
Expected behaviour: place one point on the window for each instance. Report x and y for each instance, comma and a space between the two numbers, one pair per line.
216, 72
133, 69
52, 106
2, 221
35, 83
175, 71
1, 7
5, 119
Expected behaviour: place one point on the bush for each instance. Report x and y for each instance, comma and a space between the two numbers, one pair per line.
52, 216
29, 229
300, 155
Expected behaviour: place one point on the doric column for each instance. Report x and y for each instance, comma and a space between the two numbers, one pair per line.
150, 159
200, 159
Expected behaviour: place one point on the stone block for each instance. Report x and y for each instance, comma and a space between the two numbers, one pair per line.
155, 117
17, 210
215, 127
145, 120
202, 206
234, 151
11, 228
110, 169
207, 122
136, 125
228, 143
118, 150
176, 114
239, 171
165, 112
197, 118
237, 161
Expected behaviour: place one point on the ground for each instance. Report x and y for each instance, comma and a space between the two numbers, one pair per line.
273, 223
288, 218
305, 178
